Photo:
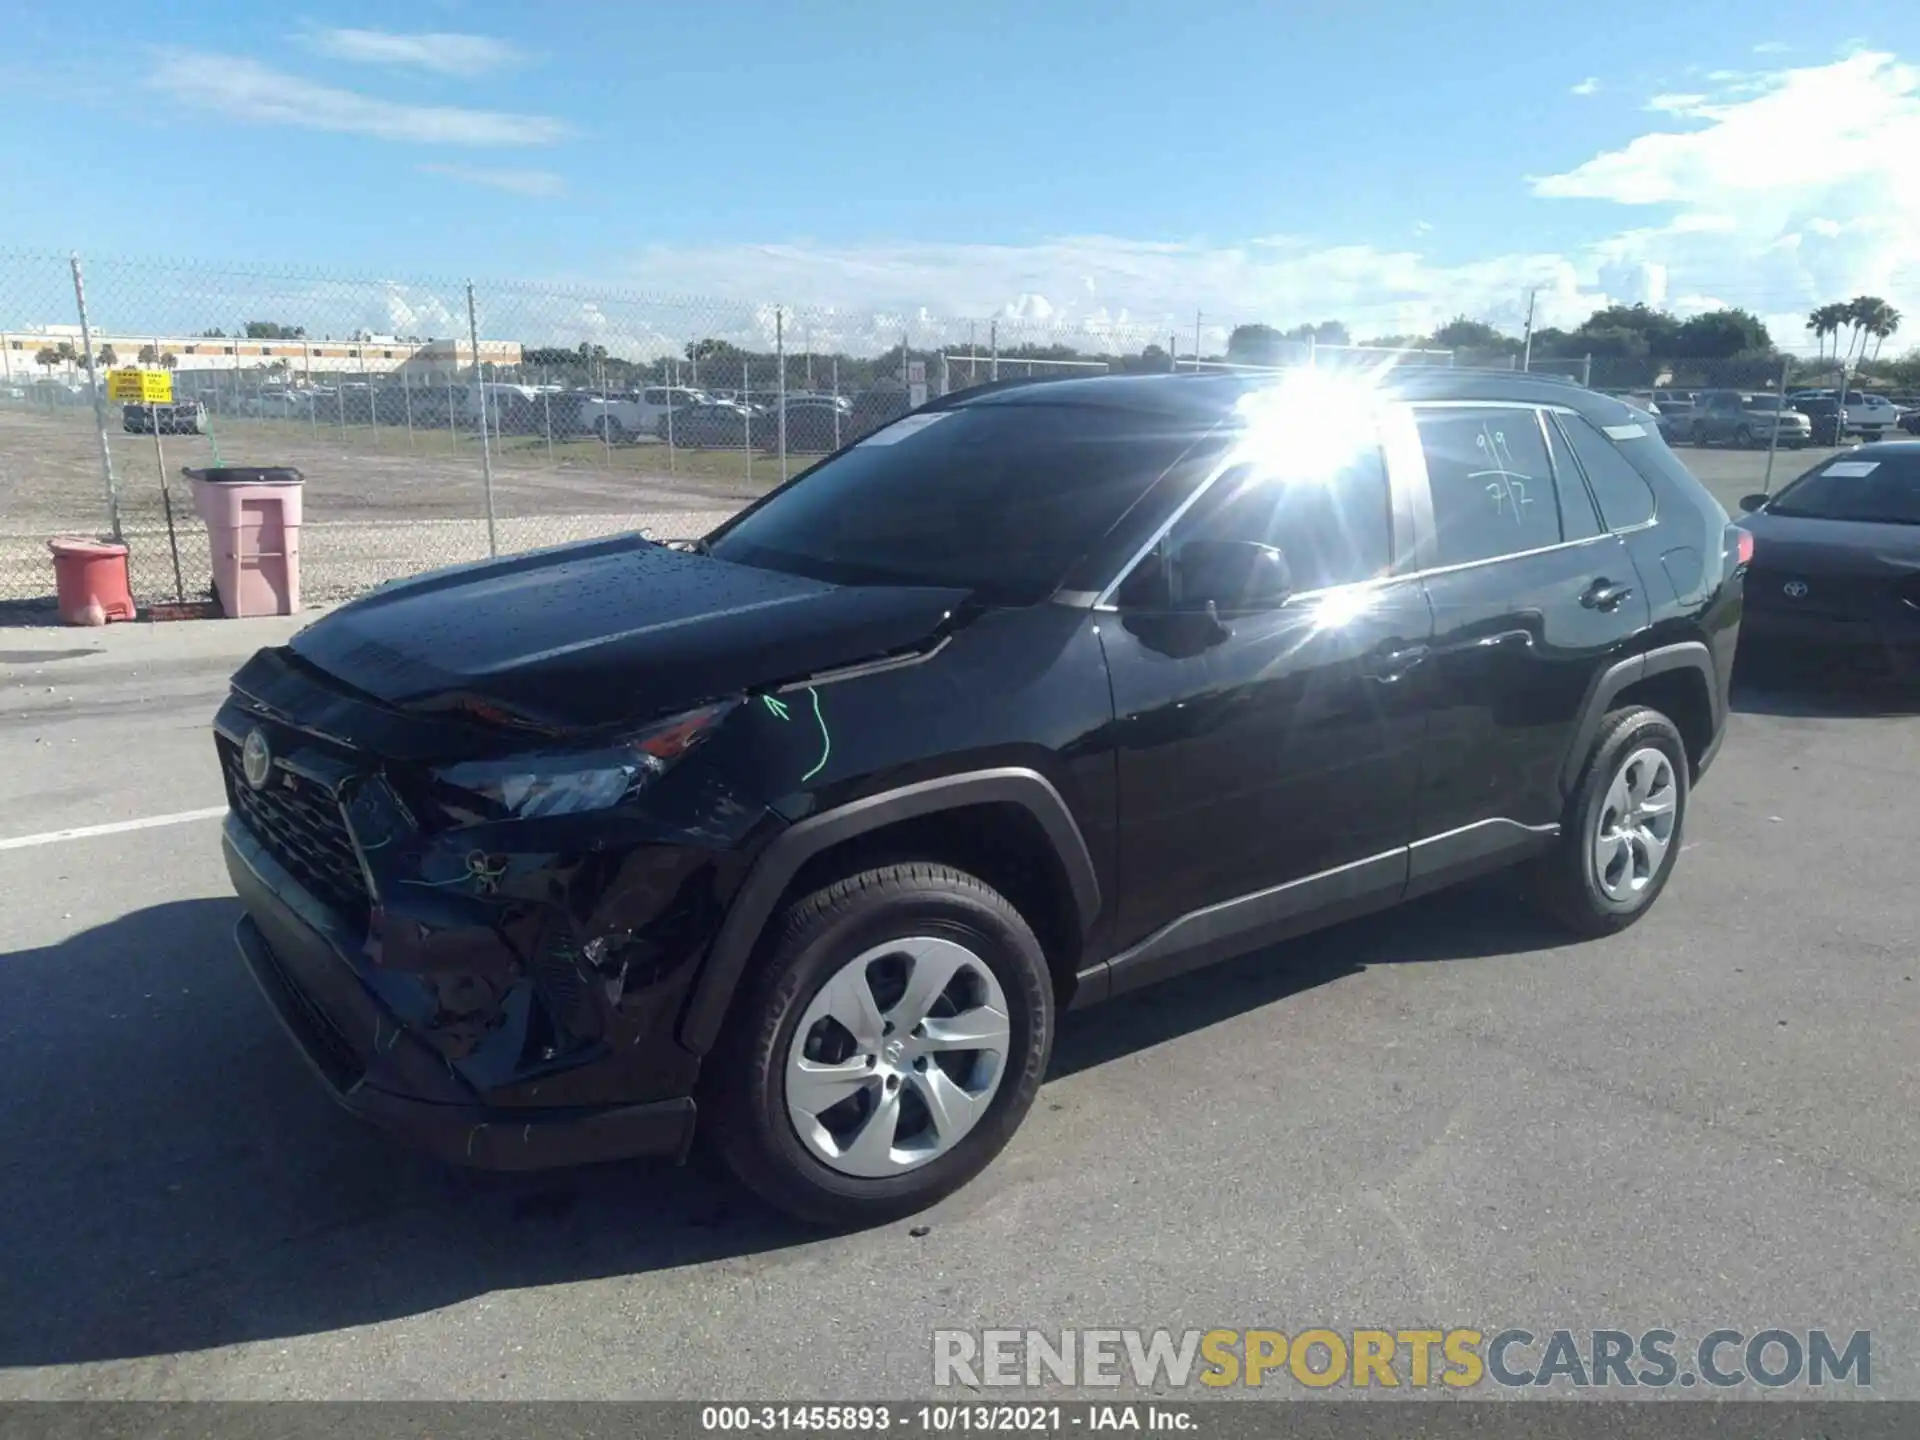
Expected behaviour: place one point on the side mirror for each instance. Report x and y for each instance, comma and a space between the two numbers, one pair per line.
1751, 503
1230, 575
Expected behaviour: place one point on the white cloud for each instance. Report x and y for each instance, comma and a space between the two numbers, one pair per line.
1676, 104
245, 89
442, 52
1588, 86
536, 184
1772, 47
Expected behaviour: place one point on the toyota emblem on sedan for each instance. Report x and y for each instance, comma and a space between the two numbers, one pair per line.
1796, 589
256, 760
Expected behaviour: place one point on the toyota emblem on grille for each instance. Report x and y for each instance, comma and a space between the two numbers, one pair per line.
1796, 589
256, 760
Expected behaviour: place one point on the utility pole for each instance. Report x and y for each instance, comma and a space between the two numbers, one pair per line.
1526, 347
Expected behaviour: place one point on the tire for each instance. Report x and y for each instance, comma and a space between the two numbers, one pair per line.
608, 430
1699, 434
1743, 437
941, 912
1568, 882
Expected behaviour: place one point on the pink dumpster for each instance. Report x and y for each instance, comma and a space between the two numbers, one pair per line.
253, 528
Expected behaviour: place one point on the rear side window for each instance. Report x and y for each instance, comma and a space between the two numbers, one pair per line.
1626, 500
1578, 520
1491, 482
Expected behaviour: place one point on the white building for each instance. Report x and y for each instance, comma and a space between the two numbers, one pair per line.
298, 359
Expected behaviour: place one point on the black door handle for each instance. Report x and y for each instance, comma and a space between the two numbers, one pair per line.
1603, 594
1391, 661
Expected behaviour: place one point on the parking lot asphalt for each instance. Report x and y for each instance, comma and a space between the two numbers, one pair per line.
1444, 1116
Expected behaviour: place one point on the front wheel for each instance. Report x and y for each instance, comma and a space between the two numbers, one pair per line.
891, 1041
1699, 435
609, 430
1621, 834
1743, 437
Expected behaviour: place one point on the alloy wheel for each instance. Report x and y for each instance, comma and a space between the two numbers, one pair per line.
1635, 825
898, 1057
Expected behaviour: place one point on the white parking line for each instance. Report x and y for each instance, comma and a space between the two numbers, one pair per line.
84, 832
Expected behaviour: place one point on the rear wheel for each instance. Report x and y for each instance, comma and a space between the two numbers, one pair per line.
1743, 437
608, 429
1621, 834
889, 1045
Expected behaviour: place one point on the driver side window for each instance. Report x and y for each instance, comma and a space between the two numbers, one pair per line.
1334, 527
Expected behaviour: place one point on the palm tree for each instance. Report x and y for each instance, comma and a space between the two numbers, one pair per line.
109, 357
169, 359
67, 356
47, 359
148, 355
1826, 321
1885, 323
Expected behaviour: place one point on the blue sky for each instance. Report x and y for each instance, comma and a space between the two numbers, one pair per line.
1063, 163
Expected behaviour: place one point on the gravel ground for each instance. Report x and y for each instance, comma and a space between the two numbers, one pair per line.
1444, 1116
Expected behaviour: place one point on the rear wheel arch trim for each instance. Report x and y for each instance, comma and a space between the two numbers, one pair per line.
773, 872
1684, 655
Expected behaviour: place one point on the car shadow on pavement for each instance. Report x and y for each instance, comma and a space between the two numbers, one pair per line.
1813, 691
178, 1181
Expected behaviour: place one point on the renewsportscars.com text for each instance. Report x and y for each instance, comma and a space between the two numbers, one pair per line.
1414, 1359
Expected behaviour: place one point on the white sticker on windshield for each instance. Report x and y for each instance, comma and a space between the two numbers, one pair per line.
1625, 432
900, 429
1851, 469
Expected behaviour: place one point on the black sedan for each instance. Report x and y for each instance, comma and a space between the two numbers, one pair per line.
1836, 565
721, 425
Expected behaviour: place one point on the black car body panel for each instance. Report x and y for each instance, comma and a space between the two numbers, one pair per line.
1157, 786
614, 631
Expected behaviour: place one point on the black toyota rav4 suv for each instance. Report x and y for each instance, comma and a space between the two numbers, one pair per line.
814, 826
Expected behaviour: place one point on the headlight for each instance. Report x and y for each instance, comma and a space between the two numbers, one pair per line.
574, 782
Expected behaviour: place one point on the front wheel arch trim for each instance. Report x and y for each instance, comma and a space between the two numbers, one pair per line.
773, 872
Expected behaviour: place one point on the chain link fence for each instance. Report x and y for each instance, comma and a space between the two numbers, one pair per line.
437, 421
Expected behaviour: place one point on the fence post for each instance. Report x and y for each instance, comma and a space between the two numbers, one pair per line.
406, 398
1773, 441
993, 350
673, 403
1586, 370
99, 400
836, 399
486, 447
780, 384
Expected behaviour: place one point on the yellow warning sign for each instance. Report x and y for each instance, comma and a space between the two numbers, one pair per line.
140, 387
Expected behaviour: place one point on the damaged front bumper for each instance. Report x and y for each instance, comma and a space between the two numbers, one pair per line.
379, 1070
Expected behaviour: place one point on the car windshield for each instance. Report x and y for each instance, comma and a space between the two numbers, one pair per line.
999, 499
1884, 488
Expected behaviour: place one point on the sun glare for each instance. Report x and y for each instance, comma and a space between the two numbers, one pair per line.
1310, 426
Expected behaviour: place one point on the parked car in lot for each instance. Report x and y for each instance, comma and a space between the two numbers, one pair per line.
1869, 417
1039, 695
183, 417
635, 412
815, 424
717, 424
1910, 422
1746, 419
1836, 566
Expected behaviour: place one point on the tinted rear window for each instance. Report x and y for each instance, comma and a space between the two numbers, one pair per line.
1000, 499
1856, 487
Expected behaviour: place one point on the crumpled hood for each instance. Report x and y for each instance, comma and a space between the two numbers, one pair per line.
607, 632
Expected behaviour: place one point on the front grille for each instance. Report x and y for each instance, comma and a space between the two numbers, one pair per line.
301, 826
319, 1036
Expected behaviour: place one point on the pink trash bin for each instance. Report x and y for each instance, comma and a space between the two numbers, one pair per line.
253, 529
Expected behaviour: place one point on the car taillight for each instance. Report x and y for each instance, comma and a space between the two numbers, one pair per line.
1739, 547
